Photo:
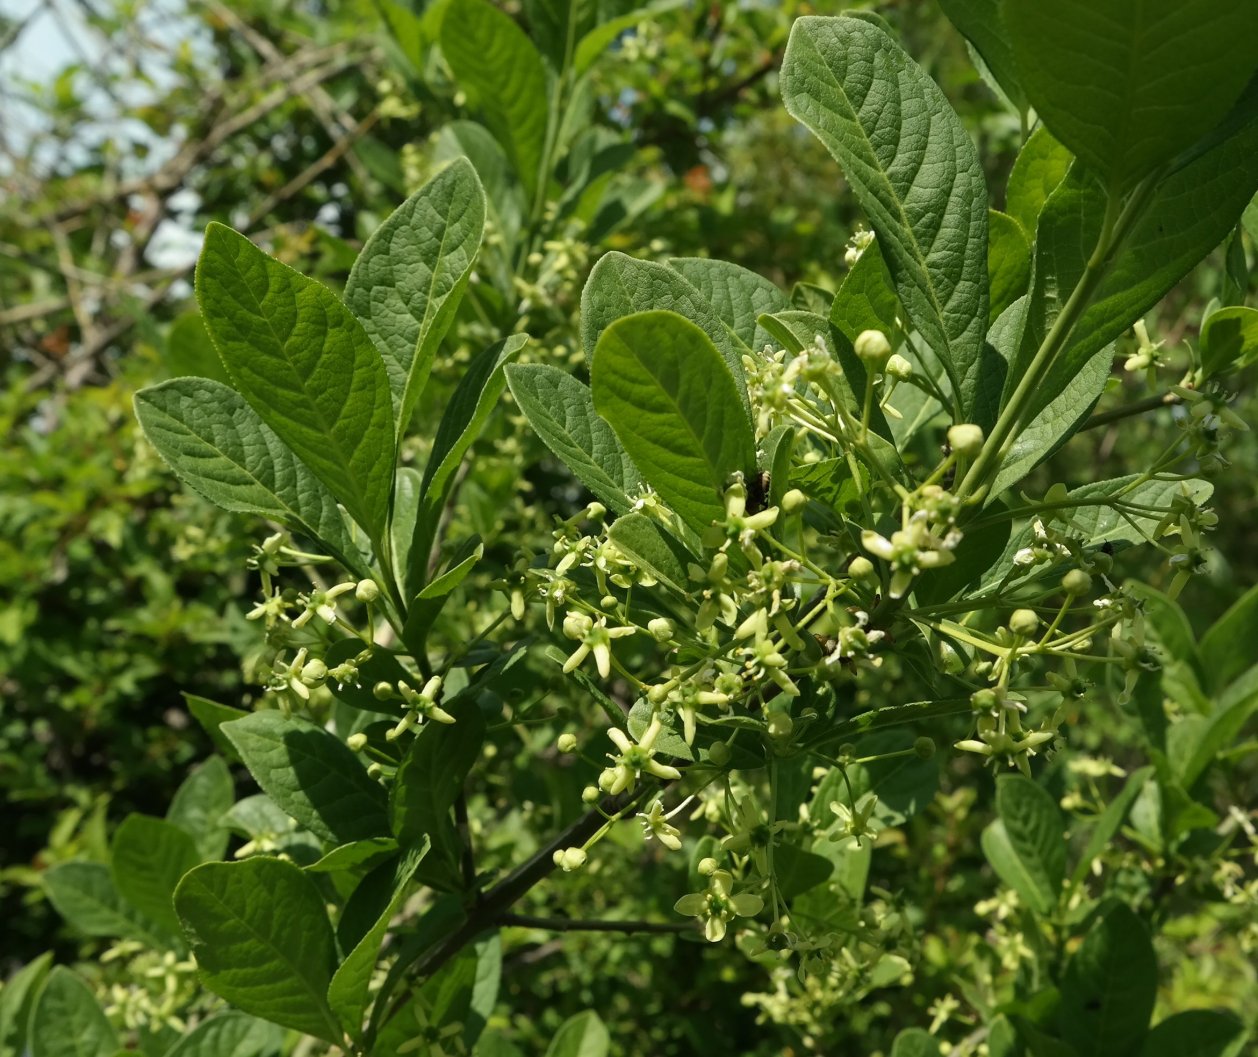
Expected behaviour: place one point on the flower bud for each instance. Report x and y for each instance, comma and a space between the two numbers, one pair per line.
567, 742
872, 346
1076, 582
861, 568
707, 867
984, 700
793, 501
966, 439
1024, 622
899, 368
577, 625
382, 691
366, 591
313, 673
569, 859
924, 748
590, 794
718, 754
356, 742
661, 629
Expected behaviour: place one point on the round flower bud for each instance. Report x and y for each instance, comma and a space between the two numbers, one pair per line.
569, 859
567, 742
1076, 582
595, 511
899, 368
984, 700
872, 346
661, 629
607, 602
576, 625
718, 754
590, 794
356, 742
779, 723
1101, 563
313, 673
966, 439
382, 691
924, 748
375, 770
1024, 622
707, 867
793, 501
367, 591
861, 568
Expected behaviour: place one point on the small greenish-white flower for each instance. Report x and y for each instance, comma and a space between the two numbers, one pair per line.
322, 603
717, 906
750, 834
909, 551
420, 705
594, 637
273, 609
856, 822
655, 824
634, 759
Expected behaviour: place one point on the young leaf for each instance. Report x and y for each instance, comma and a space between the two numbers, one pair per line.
17, 998
1201, 1032
503, 76
465, 416
1008, 261
665, 390
199, 805
211, 715
1027, 846
148, 857
67, 1022
311, 775
84, 894
428, 604
1110, 985
260, 933
1125, 85
580, 1036
1041, 165
915, 1042
618, 286
229, 1034
915, 172
1227, 648
432, 773
561, 412
866, 300
737, 296
407, 283
1229, 340
306, 366
220, 447
347, 991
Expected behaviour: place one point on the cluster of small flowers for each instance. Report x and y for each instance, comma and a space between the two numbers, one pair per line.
159, 989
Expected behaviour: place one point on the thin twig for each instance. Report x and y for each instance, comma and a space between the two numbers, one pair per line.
1167, 399
529, 921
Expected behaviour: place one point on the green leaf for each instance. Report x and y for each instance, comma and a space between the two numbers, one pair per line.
229, 1034
1110, 984
467, 411
1008, 261
431, 775
581, 1036
798, 871
347, 992
915, 1042
199, 805
220, 447
665, 390
1027, 846
1127, 84
600, 37
357, 855
561, 412
261, 937
84, 894
1227, 649
1190, 213
148, 856
866, 300
17, 998
980, 23
1108, 824
1229, 340
428, 604
504, 199
306, 366
407, 283
211, 715
1041, 165
904, 785
915, 173
619, 286
311, 775
501, 72
190, 353
1200, 1032
1209, 735
737, 296
67, 1022
642, 541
